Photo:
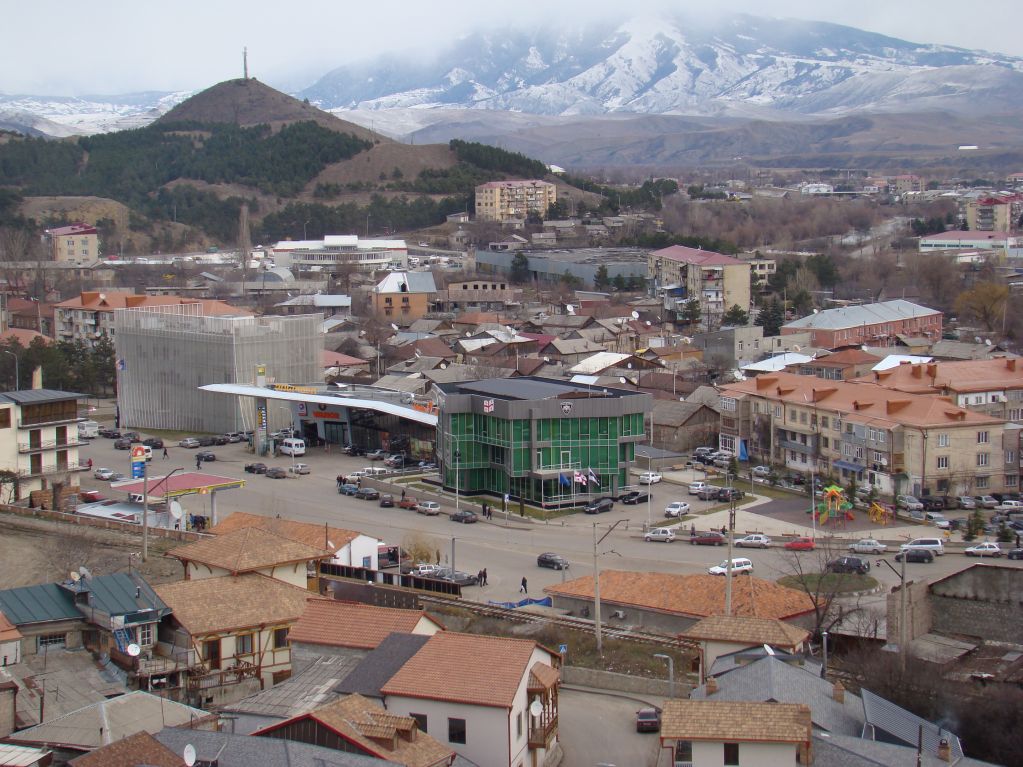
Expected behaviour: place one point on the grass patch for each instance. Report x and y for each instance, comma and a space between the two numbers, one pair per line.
829, 583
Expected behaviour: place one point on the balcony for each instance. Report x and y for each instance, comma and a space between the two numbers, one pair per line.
222, 678
28, 447
541, 737
44, 471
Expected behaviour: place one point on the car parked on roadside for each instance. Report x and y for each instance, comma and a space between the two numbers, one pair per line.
730, 494
386, 501
109, 433
104, 474
753, 541
205, 455
154, 442
650, 478
933, 545
117, 477
1015, 554
707, 538
986, 501
276, 472
424, 569
696, 487
122, 444
428, 508
761, 471
376, 455
739, 565
932, 503
255, 468
206, 441
347, 488
457, 577
909, 502
868, 546
464, 516
966, 502
367, 494
300, 468
849, 565
676, 509
408, 502
709, 493
634, 497
915, 555
552, 560
665, 534
801, 544
986, 549
648, 720
189, 442
599, 506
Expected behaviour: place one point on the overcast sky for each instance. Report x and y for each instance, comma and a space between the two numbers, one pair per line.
51, 47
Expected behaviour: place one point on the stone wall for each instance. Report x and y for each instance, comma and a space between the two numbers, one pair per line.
107, 524
624, 683
982, 601
918, 611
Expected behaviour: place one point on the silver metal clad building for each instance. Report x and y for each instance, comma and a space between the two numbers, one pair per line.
164, 355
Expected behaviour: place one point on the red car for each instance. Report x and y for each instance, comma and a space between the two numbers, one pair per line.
800, 544
709, 538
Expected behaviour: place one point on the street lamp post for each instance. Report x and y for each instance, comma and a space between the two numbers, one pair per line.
671, 672
145, 506
17, 375
456, 456
596, 583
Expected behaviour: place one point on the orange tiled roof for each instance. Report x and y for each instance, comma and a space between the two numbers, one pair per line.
23, 336
847, 357
140, 748
860, 400
733, 721
247, 550
8, 631
317, 536
747, 630
232, 602
465, 668
689, 595
348, 624
375, 730
993, 374
107, 302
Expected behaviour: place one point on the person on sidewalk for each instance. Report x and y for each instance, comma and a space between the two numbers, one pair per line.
523, 587
484, 576
165, 452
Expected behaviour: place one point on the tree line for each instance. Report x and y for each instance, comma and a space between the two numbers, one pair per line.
66, 365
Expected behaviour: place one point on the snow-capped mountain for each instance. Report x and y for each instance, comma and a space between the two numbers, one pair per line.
60, 116
674, 65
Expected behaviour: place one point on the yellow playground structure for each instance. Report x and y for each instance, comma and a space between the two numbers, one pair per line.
834, 507
880, 515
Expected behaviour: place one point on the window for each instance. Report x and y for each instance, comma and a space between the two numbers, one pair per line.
518, 724
824, 422
420, 721
456, 730
726, 442
982, 459
1010, 456
146, 634
387, 301
943, 440
982, 482
982, 438
878, 456
5, 419
280, 638
802, 417
728, 403
731, 754
792, 415
50, 640
1011, 480
243, 644
942, 461
683, 751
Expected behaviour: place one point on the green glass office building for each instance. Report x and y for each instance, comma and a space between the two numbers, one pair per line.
548, 442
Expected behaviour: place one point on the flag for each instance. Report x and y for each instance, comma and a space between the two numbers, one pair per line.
593, 478
564, 481
580, 478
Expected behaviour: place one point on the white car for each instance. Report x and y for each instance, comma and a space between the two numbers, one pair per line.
649, 478
103, 473
429, 508
739, 565
761, 471
909, 502
299, 468
424, 568
868, 546
696, 487
938, 520
665, 534
986, 549
189, 442
676, 509
754, 541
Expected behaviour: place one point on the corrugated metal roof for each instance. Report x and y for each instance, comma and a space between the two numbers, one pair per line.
901, 724
867, 314
115, 594
38, 604
34, 396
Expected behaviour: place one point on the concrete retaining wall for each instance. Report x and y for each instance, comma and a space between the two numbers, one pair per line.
106, 524
608, 680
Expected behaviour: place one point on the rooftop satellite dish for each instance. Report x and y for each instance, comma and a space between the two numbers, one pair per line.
536, 707
418, 353
976, 339
134, 650
797, 348
175, 510
330, 543
188, 754
768, 649
622, 379
687, 340
75, 576
570, 309
84, 571
443, 366
864, 347
987, 341
467, 334
393, 326
629, 366
546, 359
648, 323
815, 311
635, 315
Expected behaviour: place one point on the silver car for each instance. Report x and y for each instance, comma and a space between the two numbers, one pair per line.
868, 546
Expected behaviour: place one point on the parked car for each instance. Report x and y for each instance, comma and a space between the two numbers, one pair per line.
122, 444
347, 489
255, 468
386, 501
696, 487
408, 502
937, 519
109, 433
552, 560
599, 506
464, 516
966, 502
986, 549
676, 509
909, 502
665, 534
723, 461
1009, 505
424, 569
648, 720
235, 436
933, 545
801, 544
730, 494
117, 477
395, 461
429, 508
300, 468
932, 503
849, 565
915, 555
189, 442
868, 546
367, 494
104, 474
91, 496
221, 439
709, 493
454, 576
206, 441
1015, 554
753, 541
376, 455
650, 478
276, 472
205, 455
708, 538
132, 436
761, 471
635, 497
739, 565
987, 501
154, 442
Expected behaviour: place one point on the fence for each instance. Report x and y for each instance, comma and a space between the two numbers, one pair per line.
106, 524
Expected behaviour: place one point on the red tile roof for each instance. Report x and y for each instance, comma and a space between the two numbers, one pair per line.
319, 536
695, 256
8, 631
248, 550
348, 624
108, 302
138, 749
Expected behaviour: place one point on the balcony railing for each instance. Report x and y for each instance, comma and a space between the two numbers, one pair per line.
31, 423
541, 737
42, 471
223, 677
28, 447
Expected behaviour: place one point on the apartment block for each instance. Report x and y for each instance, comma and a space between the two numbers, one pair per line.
503, 200
77, 243
897, 442
878, 324
717, 281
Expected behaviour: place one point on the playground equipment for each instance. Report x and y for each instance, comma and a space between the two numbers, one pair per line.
834, 506
880, 515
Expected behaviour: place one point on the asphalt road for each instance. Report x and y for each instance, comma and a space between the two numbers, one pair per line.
580, 714
508, 551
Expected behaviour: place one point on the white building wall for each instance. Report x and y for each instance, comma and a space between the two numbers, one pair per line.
353, 553
294, 573
10, 652
486, 728
712, 754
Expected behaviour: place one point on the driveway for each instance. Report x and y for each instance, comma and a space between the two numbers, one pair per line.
600, 729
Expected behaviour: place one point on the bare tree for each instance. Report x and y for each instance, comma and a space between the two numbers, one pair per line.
807, 571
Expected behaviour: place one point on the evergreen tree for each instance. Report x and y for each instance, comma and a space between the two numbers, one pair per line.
691, 312
735, 316
520, 269
601, 280
771, 318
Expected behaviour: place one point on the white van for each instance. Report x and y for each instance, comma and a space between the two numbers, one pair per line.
373, 471
88, 430
293, 446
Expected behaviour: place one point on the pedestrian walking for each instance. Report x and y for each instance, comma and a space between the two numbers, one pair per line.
340, 481
479, 578
438, 556
198, 463
403, 494
524, 587
165, 454
692, 530
485, 577
1017, 540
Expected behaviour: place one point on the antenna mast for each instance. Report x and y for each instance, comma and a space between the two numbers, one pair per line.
245, 61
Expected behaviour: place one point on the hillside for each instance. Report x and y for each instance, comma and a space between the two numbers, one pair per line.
249, 102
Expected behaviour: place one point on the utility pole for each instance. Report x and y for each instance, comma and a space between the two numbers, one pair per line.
728, 564
596, 583
245, 62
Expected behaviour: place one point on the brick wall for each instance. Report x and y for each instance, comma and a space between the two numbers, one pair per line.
981, 601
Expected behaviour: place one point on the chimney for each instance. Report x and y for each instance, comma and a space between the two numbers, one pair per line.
712, 685
37, 377
944, 750
838, 692
1010, 363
